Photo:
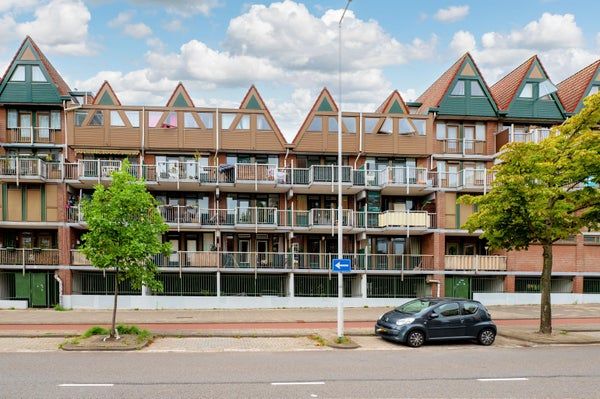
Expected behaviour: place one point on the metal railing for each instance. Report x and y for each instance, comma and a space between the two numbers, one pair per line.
31, 135
74, 214
24, 168
475, 262
329, 174
329, 217
400, 219
28, 256
531, 136
469, 178
463, 146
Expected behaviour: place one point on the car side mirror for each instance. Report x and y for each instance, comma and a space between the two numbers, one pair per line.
434, 316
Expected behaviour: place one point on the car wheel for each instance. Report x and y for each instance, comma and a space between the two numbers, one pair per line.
486, 337
415, 339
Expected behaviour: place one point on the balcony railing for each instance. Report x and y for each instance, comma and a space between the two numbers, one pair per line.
406, 177
31, 135
22, 168
28, 256
469, 178
475, 262
463, 146
397, 219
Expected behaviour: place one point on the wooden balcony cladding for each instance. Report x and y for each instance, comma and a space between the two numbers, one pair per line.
30, 203
102, 126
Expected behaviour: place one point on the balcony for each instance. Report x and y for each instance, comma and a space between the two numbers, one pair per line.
475, 262
33, 136
22, 170
399, 180
28, 256
509, 135
463, 147
470, 179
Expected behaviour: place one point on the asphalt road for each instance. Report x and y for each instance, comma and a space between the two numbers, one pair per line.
431, 371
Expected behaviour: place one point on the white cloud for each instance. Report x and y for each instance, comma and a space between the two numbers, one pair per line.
452, 13
136, 30
59, 26
17, 5
121, 19
557, 39
173, 25
184, 8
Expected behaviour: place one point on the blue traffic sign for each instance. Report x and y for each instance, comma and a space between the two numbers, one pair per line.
341, 265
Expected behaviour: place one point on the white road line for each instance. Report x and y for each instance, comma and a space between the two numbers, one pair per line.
86, 385
299, 383
504, 379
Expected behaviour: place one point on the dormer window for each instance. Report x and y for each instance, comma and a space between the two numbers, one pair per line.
316, 125
19, 74
37, 75
476, 89
459, 88
527, 91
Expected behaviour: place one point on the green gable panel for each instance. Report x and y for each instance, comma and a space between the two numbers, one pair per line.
180, 101
466, 105
325, 106
16, 93
253, 103
542, 109
44, 93
28, 92
106, 99
395, 108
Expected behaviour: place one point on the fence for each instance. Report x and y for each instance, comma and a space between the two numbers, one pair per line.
396, 286
253, 285
98, 283
533, 284
188, 284
321, 285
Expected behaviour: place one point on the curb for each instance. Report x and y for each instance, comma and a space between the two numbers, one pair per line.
542, 342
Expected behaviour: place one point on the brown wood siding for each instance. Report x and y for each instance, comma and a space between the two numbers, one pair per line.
51, 203
268, 141
14, 205
310, 141
450, 210
163, 138
125, 137
197, 138
236, 140
88, 136
34, 205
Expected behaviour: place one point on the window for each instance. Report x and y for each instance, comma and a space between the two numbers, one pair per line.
440, 131
527, 91
421, 126
134, 118
448, 309
226, 121
262, 123
332, 126
406, 127
19, 74
476, 89
153, 118
80, 117
115, 119
349, 123
316, 125
12, 119
170, 121
207, 119
370, 124
37, 75
480, 132
189, 122
244, 123
593, 90
97, 119
459, 88
386, 127
55, 120
470, 308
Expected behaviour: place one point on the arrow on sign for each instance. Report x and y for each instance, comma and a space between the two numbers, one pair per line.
337, 265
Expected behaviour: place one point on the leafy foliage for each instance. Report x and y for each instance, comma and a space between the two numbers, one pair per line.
125, 230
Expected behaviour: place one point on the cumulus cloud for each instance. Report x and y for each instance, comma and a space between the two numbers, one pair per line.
452, 14
17, 5
557, 39
136, 30
184, 8
173, 25
59, 26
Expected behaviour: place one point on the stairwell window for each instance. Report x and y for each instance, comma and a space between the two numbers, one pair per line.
406, 127
226, 121
527, 91
459, 88
421, 126
370, 124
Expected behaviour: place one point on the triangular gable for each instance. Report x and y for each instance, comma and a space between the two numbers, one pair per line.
324, 95
507, 92
248, 103
393, 104
474, 97
180, 98
106, 95
28, 58
576, 87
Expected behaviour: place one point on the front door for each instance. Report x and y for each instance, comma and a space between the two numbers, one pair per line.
39, 289
449, 322
262, 247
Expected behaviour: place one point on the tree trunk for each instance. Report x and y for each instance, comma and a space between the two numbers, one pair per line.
545, 308
113, 329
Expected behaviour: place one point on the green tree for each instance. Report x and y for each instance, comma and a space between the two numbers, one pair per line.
124, 234
543, 193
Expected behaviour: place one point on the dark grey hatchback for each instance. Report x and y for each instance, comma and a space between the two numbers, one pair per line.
432, 319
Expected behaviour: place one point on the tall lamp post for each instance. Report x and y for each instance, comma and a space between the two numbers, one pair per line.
340, 234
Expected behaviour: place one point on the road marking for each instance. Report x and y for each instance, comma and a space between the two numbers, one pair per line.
299, 383
86, 385
504, 379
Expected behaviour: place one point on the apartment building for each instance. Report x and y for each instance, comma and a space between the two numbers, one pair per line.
252, 218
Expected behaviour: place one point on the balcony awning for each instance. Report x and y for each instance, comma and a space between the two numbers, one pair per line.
110, 151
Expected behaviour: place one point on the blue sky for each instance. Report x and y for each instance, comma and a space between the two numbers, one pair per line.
218, 48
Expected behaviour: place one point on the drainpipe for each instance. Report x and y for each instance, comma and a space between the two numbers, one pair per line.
60, 289
287, 153
438, 283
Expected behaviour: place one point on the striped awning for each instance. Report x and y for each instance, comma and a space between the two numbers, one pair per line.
109, 151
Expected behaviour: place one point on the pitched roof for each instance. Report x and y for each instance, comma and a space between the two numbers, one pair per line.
389, 105
572, 90
102, 93
253, 94
180, 94
325, 94
433, 95
505, 89
61, 85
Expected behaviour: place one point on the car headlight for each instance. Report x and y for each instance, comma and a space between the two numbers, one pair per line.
403, 322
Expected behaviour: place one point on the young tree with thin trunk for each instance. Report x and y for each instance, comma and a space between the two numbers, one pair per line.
124, 233
543, 193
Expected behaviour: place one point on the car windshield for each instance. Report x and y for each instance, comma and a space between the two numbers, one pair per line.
414, 307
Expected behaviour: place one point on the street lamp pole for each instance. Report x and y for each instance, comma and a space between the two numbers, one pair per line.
340, 234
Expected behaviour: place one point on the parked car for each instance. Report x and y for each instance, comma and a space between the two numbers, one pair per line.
433, 319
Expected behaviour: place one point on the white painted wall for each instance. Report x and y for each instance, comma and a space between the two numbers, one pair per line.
533, 299
10, 304
224, 302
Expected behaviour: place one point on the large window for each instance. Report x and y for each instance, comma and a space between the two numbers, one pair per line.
370, 124
80, 117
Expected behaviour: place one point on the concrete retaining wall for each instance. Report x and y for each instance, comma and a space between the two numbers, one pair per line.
9, 304
202, 302
534, 299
